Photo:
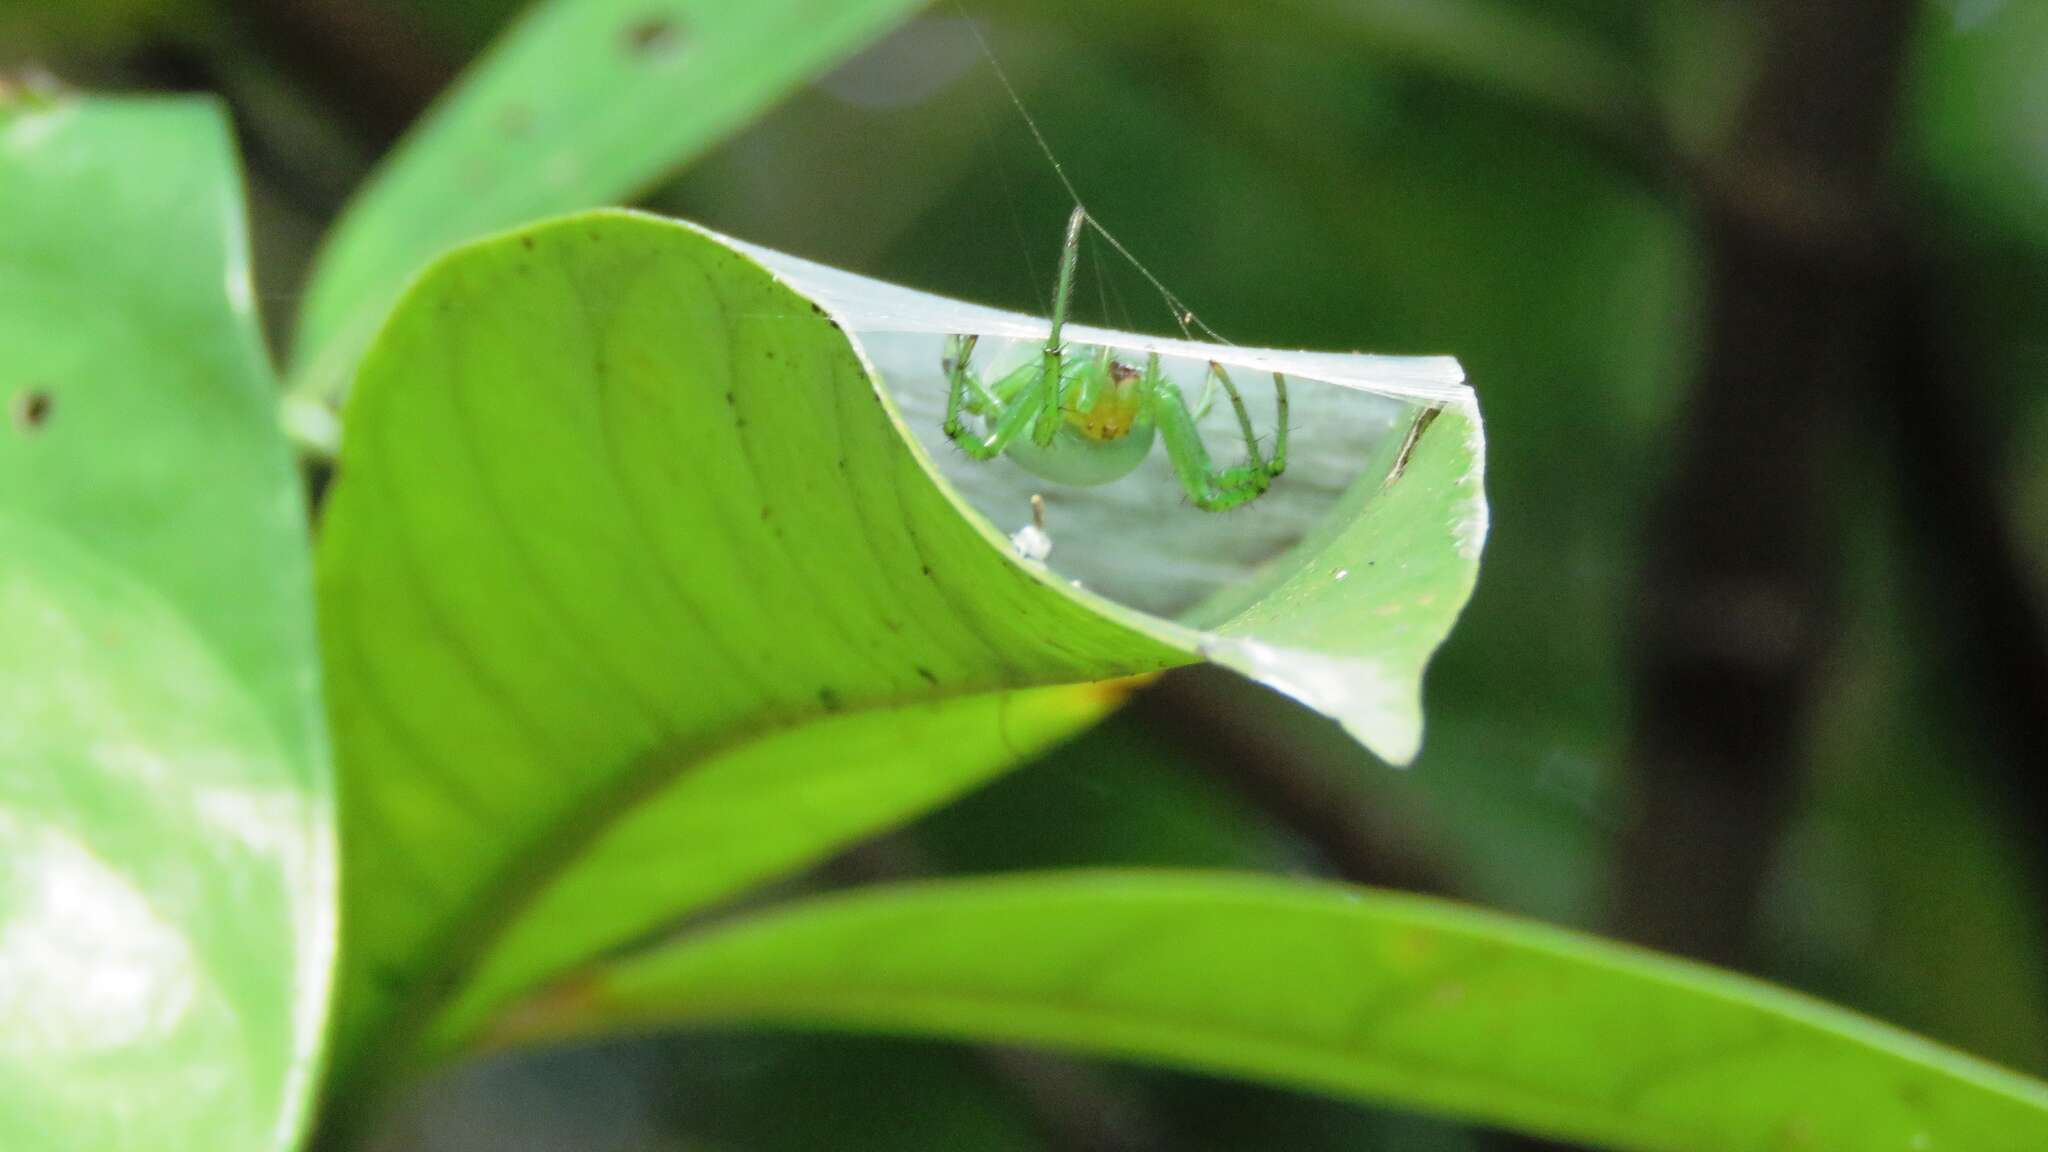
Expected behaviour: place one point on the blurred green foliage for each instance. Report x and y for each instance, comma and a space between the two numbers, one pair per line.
97, 29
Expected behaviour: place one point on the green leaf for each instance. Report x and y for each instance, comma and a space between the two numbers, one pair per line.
166, 875
1361, 994
636, 593
582, 104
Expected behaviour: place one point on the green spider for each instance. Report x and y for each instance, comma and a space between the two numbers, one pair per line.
1092, 418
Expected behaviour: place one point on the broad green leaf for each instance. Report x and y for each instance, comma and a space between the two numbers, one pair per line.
717, 821
166, 876
636, 593
582, 103
1355, 993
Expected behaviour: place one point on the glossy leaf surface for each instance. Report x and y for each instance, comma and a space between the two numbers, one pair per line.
166, 918
1350, 992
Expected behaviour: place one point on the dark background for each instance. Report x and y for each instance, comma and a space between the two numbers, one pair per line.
1755, 298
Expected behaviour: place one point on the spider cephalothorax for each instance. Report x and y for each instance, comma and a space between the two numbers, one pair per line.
1116, 411
1091, 418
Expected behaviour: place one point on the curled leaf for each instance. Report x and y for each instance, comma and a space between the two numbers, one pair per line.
635, 580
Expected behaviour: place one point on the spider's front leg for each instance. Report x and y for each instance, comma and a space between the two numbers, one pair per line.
1007, 411
1053, 361
1211, 489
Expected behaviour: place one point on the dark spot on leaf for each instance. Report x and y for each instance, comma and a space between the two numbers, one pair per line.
843, 465
729, 398
740, 422
927, 569
526, 242
32, 410
815, 307
767, 513
654, 37
829, 700
930, 677
515, 120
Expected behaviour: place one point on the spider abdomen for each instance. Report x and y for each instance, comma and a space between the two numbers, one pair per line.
1081, 457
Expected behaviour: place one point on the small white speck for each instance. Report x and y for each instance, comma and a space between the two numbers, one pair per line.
1032, 543
1340, 573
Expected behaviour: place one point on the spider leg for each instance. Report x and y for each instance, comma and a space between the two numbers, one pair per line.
1279, 463
1088, 384
1050, 372
1009, 417
960, 380
1211, 489
1055, 355
1244, 416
